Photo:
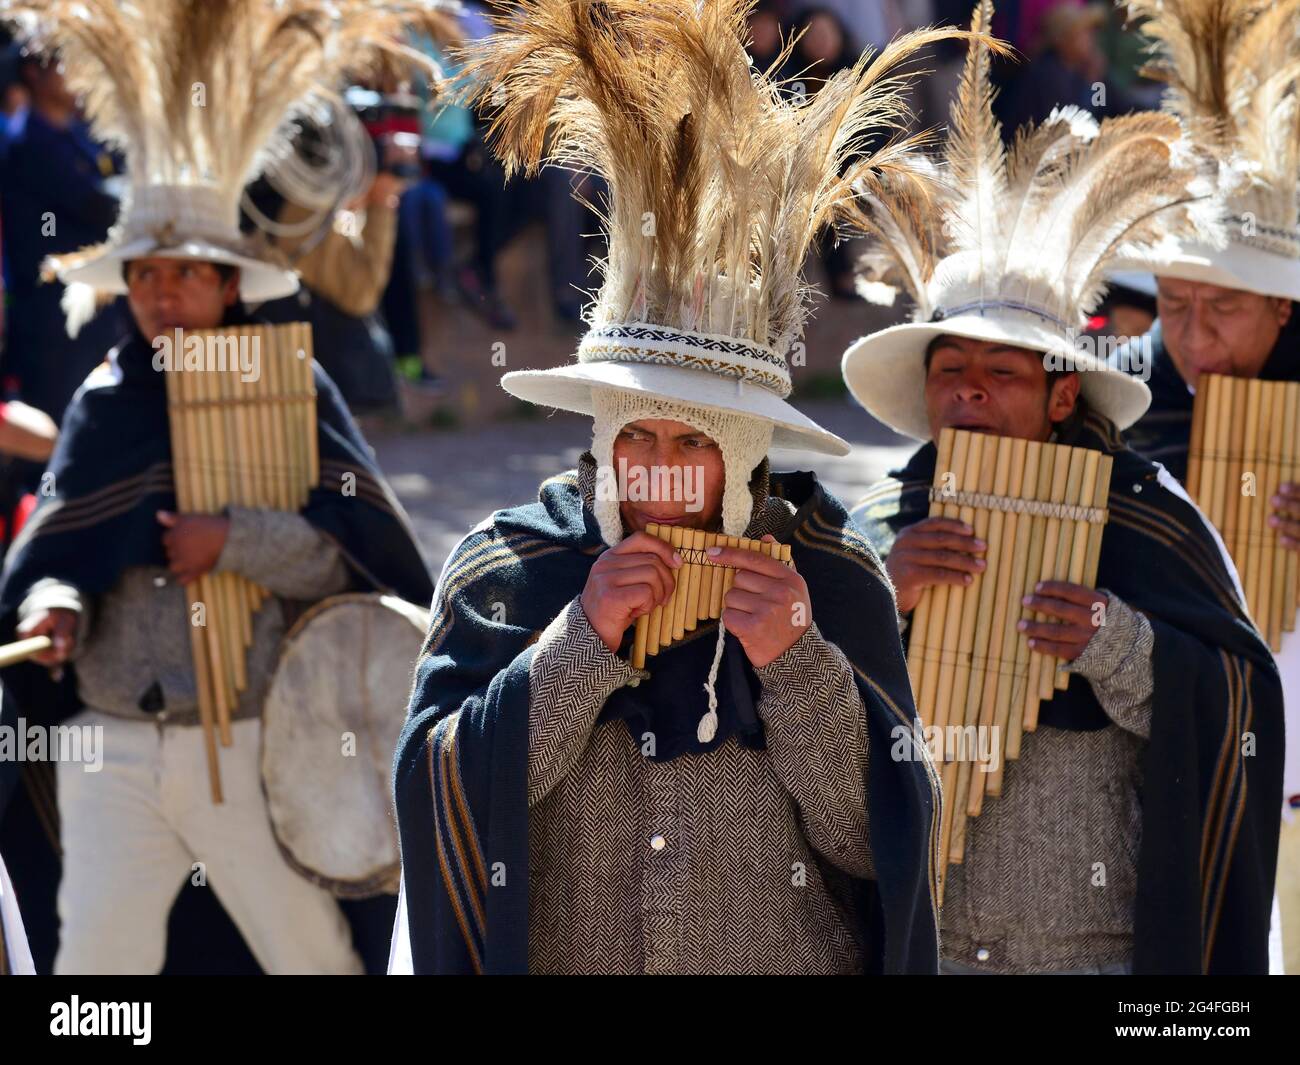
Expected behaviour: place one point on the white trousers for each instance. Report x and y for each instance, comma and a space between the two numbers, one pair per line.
134, 831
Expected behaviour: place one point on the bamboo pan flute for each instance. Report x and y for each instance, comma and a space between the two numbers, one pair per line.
701, 584
1245, 444
242, 443
1041, 509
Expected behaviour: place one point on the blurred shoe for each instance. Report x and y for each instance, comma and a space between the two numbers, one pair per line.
484, 301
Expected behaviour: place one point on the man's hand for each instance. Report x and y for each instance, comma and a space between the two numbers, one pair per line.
193, 543
1074, 618
627, 581
60, 625
933, 551
1286, 515
767, 607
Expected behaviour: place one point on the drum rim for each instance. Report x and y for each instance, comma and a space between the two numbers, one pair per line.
382, 880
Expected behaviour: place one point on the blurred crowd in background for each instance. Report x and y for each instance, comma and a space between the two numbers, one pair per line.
432, 227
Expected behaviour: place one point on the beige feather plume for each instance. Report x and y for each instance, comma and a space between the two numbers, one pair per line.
1232, 68
201, 90
1038, 224
720, 177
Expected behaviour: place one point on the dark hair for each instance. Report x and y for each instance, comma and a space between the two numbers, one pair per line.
224, 270
1052, 375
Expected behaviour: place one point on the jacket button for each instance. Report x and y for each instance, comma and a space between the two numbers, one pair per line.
658, 843
982, 954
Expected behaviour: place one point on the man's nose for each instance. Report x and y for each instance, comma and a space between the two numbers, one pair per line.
971, 390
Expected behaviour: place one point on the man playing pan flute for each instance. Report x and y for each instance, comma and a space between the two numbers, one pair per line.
1135, 830
1233, 70
738, 809
102, 565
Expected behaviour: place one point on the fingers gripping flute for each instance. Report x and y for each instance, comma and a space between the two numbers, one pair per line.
701, 586
1245, 444
237, 442
1041, 509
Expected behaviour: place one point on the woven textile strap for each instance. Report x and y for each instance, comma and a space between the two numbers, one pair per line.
1037, 507
658, 345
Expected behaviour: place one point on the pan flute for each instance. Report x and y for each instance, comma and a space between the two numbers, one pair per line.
243, 443
1041, 509
1245, 443
701, 585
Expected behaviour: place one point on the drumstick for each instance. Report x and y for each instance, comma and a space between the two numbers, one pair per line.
21, 650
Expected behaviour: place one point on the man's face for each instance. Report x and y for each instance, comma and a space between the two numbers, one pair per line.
684, 464
1211, 329
169, 294
994, 388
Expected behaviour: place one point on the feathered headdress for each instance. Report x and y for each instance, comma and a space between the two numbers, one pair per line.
1015, 246
198, 94
719, 180
1232, 68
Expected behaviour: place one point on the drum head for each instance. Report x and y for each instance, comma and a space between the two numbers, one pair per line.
330, 726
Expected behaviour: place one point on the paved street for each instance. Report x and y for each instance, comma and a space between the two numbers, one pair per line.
449, 480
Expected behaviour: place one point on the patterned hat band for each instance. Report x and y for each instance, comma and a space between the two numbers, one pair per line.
1280, 240
979, 307
659, 345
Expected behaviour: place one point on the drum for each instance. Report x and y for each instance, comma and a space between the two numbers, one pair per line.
330, 726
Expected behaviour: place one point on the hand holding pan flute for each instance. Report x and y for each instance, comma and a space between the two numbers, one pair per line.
1286, 515
1073, 618
627, 581
933, 551
767, 606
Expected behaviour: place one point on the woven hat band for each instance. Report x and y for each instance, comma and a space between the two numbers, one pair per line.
659, 345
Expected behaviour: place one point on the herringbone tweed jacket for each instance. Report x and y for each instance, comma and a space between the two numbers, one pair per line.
552, 842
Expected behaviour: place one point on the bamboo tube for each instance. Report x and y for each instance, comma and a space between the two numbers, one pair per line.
182, 436
1101, 501
1044, 467
654, 620
1215, 438
1079, 463
997, 696
1247, 531
1061, 469
980, 689
207, 590
223, 613
692, 616
641, 637
1291, 465
238, 627
706, 584
1078, 551
1197, 446
670, 607
1232, 485
1267, 445
934, 600
313, 429
965, 711
947, 626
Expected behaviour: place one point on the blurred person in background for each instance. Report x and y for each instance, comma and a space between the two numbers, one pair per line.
1065, 65
53, 199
